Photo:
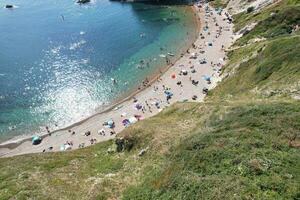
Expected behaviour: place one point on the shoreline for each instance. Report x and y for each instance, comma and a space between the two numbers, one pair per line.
159, 72
17, 140
184, 92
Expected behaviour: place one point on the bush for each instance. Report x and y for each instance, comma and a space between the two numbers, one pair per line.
124, 143
250, 9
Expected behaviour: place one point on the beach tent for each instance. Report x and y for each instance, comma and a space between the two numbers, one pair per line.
36, 140
207, 78
173, 76
111, 123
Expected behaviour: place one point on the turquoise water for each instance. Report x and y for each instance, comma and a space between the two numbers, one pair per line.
58, 59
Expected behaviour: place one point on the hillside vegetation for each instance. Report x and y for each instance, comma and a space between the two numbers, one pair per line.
243, 142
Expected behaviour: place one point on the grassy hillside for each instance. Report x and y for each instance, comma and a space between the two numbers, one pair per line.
279, 19
243, 142
241, 153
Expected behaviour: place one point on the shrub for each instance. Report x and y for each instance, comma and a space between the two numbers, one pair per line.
250, 9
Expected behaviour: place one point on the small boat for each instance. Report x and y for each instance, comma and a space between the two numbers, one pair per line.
162, 55
83, 1
9, 6
171, 54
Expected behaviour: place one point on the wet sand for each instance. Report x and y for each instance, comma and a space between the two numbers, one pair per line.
201, 62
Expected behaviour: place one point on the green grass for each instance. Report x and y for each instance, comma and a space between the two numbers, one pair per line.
93, 173
280, 23
243, 142
241, 154
219, 3
244, 18
51, 176
270, 68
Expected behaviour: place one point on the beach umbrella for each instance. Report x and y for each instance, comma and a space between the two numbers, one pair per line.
36, 140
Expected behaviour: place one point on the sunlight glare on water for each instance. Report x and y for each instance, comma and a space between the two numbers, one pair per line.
57, 58
70, 91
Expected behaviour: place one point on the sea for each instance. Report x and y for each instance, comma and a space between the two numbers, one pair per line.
61, 62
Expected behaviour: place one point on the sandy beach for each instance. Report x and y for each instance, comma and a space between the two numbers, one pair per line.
186, 80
